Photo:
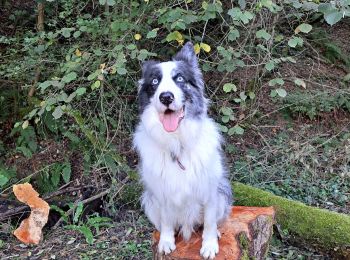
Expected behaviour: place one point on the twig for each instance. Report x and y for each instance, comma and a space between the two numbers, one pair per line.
70, 211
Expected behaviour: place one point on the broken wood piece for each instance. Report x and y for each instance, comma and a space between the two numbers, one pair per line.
245, 234
30, 229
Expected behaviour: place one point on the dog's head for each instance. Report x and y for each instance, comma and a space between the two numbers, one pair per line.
175, 88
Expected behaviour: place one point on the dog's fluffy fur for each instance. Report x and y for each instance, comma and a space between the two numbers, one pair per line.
181, 164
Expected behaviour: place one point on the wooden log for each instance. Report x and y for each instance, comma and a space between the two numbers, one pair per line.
245, 235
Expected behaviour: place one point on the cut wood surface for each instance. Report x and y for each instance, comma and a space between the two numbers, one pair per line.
245, 235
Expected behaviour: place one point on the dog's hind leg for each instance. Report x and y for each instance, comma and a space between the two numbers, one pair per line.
151, 207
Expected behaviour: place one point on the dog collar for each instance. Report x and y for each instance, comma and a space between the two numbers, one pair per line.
176, 158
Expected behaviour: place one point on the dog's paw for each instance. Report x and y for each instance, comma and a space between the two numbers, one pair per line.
166, 246
210, 247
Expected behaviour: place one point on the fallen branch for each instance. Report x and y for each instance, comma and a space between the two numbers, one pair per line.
322, 228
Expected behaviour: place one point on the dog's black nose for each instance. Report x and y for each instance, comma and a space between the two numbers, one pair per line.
166, 98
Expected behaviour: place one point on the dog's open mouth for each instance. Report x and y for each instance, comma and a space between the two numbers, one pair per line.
171, 119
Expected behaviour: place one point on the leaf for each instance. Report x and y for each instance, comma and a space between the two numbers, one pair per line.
225, 119
121, 71
270, 65
333, 17
196, 48
300, 82
25, 124
152, 34
251, 94
295, 41
347, 77
69, 77
86, 231
235, 130
44, 85
227, 111
110, 2
80, 91
58, 112
77, 212
55, 178
262, 34
243, 96
26, 152
281, 92
66, 172
96, 84
233, 34
78, 53
223, 128
304, 28
275, 81
176, 35
3, 180
102, 2
228, 87
205, 47
137, 36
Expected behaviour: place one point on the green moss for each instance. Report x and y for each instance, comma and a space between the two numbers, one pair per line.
325, 228
244, 245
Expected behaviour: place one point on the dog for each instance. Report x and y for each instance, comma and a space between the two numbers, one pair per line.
181, 162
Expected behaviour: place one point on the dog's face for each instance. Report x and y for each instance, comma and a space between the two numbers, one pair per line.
175, 88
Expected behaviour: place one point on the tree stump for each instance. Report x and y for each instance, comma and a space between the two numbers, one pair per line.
245, 235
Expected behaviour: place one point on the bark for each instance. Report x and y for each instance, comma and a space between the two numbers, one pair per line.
245, 235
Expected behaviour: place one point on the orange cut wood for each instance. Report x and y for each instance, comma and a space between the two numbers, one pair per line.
30, 230
246, 233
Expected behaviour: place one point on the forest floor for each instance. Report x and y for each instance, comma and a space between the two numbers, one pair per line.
283, 151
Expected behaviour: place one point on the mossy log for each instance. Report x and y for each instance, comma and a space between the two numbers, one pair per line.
322, 228
245, 235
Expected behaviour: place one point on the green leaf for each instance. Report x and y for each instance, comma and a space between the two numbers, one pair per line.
121, 71
273, 93
275, 81
152, 34
110, 2
236, 130
58, 112
225, 119
223, 128
227, 111
233, 34
281, 92
333, 17
3, 180
55, 178
78, 211
86, 231
25, 151
96, 84
270, 65
66, 172
262, 34
94, 75
76, 34
251, 95
69, 77
66, 32
347, 77
243, 96
44, 85
80, 91
304, 28
295, 41
228, 87
102, 2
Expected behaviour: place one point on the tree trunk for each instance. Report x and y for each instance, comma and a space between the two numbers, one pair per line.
245, 235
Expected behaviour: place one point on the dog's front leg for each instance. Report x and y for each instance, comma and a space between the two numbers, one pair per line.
210, 244
167, 236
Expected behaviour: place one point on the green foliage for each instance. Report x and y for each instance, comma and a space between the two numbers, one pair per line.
314, 103
50, 178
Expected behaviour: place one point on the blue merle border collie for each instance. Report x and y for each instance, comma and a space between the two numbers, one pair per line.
181, 164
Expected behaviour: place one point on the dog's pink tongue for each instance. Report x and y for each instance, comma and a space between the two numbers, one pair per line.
170, 121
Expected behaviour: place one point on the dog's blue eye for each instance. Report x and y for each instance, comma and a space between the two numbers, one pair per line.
179, 79
155, 81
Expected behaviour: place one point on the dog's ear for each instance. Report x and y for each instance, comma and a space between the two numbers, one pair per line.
187, 54
147, 66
